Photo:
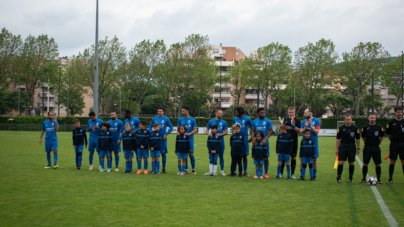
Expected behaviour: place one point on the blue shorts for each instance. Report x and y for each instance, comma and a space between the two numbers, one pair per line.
154, 154
128, 154
259, 162
115, 147
51, 145
307, 160
316, 153
79, 148
191, 145
104, 153
142, 153
213, 156
182, 155
283, 156
163, 146
93, 144
246, 147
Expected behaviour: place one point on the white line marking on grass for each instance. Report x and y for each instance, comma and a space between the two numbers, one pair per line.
381, 202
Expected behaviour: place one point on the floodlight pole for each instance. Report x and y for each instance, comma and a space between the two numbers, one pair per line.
96, 64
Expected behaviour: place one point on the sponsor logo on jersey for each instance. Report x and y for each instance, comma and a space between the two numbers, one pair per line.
217, 137
402, 129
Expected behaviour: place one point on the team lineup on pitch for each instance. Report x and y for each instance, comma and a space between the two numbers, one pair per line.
140, 141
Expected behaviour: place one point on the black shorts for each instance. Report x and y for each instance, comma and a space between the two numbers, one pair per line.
372, 152
347, 150
295, 146
395, 150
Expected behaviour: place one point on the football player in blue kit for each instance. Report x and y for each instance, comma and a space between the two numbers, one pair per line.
94, 127
116, 129
221, 132
191, 126
50, 126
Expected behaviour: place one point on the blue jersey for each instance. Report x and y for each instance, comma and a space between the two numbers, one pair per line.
94, 132
49, 127
262, 125
164, 123
134, 124
245, 122
316, 124
189, 123
221, 126
116, 129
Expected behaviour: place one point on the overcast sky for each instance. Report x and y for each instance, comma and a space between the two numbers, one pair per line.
243, 24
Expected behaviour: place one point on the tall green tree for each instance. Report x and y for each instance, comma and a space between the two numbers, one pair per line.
391, 77
315, 70
9, 45
367, 102
36, 63
111, 54
238, 76
9, 101
272, 68
337, 103
360, 68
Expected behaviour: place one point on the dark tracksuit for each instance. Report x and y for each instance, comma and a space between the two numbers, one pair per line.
236, 144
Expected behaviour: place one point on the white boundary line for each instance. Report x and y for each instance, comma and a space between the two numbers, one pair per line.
380, 200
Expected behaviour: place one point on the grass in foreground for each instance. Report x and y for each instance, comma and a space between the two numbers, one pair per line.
33, 196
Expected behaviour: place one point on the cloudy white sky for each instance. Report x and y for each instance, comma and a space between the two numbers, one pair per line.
243, 24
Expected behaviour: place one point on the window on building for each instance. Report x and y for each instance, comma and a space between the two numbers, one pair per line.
215, 50
224, 51
224, 59
261, 101
383, 92
236, 53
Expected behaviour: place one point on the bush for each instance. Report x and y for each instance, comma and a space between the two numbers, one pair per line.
331, 123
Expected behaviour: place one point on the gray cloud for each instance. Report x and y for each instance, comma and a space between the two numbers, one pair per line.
244, 24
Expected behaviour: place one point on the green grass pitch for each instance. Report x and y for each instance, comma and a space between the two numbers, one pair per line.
34, 196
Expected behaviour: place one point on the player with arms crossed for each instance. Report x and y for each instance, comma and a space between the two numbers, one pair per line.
50, 126
312, 124
395, 133
264, 125
191, 129
221, 132
293, 125
346, 136
372, 135
245, 123
164, 123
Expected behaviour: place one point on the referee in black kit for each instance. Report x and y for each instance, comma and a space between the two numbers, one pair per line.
395, 133
346, 148
372, 135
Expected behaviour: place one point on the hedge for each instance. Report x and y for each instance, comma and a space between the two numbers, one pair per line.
83, 120
331, 123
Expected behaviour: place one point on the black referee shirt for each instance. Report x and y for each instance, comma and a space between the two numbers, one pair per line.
372, 134
395, 129
348, 134
288, 122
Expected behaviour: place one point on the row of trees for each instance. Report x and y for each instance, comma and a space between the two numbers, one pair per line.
147, 75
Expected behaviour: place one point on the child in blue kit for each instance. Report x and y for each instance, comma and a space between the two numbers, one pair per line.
182, 148
142, 143
154, 143
79, 136
284, 146
128, 146
307, 153
259, 155
214, 143
104, 144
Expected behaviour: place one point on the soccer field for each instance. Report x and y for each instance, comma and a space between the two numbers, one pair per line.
34, 196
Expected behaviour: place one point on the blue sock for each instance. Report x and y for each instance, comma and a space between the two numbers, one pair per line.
186, 164
314, 172
193, 162
109, 163
102, 164
183, 168
130, 165
179, 167
245, 164
164, 161
127, 165
80, 159
266, 168
311, 172
257, 171
91, 157
99, 158
221, 162
278, 170
158, 166
303, 172
288, 169
261, 171
153, 166
55, 158
116, 161
145, 163
215, 162
139, 165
